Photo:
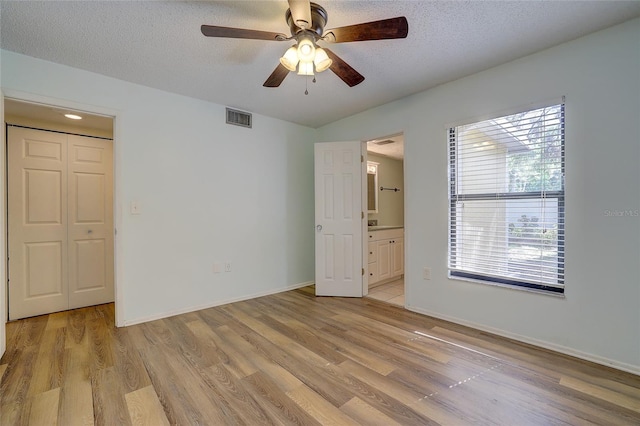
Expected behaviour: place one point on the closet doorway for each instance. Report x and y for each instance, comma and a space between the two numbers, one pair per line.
60, 212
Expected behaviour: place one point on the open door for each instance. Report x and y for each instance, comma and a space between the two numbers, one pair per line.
339, 219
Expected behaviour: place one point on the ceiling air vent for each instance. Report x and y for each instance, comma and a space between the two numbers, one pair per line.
385, 142
239, 118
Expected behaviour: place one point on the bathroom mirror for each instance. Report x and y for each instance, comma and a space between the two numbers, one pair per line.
372, 187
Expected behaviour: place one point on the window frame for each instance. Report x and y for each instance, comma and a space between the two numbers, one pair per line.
455, 198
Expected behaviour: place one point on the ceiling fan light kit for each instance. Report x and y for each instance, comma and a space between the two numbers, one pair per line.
306, 22
290, 59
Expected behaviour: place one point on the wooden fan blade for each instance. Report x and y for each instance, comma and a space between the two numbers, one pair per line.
227, 32
277, 76
377, 30
344, 70
301, 13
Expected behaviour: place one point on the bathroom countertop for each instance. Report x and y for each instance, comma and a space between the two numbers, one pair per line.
382, 227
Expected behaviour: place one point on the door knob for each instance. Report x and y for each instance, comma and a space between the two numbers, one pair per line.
89, 231
319, 228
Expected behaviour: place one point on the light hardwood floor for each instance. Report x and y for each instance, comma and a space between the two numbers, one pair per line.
292, 358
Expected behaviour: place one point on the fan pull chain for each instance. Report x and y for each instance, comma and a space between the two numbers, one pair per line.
306, 85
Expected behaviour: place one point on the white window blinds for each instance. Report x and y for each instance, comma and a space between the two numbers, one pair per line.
506, 194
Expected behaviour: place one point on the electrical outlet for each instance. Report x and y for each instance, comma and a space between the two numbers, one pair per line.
135, 207
426, 273
227, 267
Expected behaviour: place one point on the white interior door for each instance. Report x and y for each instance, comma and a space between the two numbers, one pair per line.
90, 225
37, 217
60, 191
339, 219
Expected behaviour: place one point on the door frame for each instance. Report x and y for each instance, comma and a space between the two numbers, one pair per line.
117, 216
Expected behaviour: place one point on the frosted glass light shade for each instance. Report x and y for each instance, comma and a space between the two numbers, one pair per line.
290, 59
306, 50
305, 68
322, 61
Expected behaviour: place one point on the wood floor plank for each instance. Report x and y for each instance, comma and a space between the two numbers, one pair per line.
16, 381
76, 328
275, 402
183, 391
186, 342
76, 399
304, 337
365, 414
282, 377
100, 345
414, 400
602, 393
386, 331
47, 370
57, 320
230, 389
145, 408
76, 404
279, 339
11, 412
293, 358
319, 408
308, 373
44, 408
109, 407
127, 362
538, 399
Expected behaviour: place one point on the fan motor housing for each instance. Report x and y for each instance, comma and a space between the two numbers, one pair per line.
318, 21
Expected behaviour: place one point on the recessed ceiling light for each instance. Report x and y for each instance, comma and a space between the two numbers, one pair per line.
73, 116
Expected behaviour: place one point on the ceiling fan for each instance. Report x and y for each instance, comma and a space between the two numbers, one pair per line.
306, 22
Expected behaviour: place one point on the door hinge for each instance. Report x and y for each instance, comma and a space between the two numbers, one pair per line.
362, 158
363, 272
362, 215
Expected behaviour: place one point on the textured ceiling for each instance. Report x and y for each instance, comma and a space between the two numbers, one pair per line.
159, 44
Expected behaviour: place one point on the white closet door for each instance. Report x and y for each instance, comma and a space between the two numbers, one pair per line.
37, 213
60, 222
90, 225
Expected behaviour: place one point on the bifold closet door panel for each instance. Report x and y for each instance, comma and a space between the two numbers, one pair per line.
90, 221
37, 222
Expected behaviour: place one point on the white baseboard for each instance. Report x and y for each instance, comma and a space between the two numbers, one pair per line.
214, 304
629, 368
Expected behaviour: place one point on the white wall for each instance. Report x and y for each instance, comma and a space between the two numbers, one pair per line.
208, 192
599, 318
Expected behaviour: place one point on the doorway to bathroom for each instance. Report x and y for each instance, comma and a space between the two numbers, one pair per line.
385, 240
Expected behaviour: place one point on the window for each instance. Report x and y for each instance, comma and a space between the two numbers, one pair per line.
506, 194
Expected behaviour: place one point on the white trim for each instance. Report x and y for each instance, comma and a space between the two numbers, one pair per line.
3, 231
629, 368
214, 304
